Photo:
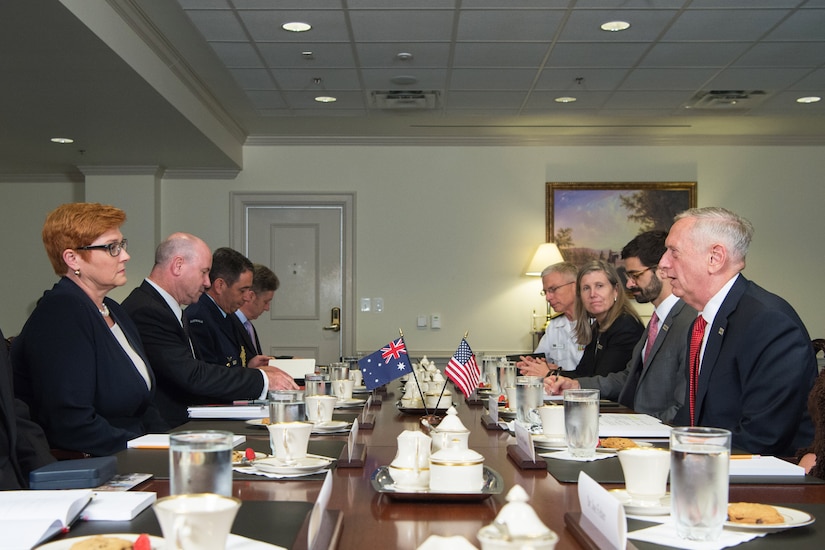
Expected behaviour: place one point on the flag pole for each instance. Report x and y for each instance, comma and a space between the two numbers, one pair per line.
417, 385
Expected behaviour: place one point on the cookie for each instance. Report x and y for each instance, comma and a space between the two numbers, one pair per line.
618, 443
753, 514
101, 542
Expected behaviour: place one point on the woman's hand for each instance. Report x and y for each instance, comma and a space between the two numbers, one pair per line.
534, 366
808, 461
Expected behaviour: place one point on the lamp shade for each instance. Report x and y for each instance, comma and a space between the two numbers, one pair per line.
547, 254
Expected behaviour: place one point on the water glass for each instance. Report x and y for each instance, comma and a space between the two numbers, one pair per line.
200, 462
338, 371
529, 397
581, 422
507, 372
699, 465
315, 384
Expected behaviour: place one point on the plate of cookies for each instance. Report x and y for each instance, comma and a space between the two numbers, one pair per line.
620, 443
119, 541
750, 516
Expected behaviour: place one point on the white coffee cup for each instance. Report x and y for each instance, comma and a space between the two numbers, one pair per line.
289, 440
357, 378
645, 473
552, 420
320, 407
199, 521
343, 389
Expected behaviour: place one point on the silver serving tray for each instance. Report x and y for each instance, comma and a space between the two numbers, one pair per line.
418, 411
382, 483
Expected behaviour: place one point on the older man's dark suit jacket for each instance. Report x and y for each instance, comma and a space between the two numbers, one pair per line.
218, 337
183, 380
657, 385
23, 445
757, 371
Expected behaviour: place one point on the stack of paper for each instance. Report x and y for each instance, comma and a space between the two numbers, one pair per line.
32, 517
240, 412
161, 441
117, 505
631, 425
763, 466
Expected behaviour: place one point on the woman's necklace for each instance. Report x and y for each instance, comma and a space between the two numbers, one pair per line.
104, 310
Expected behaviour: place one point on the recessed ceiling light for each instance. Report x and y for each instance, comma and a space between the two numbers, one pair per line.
326, 99
809, 99
62, 140
296, 26
565, 99
615, 26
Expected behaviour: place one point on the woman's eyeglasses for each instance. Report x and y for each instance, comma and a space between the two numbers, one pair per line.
113, 248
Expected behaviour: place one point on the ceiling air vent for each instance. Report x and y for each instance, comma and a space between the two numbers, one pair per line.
726, 99
405, 99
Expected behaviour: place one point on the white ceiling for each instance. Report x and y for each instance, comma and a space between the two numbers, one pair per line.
492, 68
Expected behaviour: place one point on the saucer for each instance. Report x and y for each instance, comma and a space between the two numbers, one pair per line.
549, 442
642, 508
351, 402
793, 518
331, 426
308, 464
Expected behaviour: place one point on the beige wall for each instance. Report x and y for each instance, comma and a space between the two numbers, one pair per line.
449, 230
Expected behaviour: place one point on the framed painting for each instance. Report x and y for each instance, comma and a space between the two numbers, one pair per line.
595, 220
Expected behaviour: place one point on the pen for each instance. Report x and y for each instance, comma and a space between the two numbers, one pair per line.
744, 457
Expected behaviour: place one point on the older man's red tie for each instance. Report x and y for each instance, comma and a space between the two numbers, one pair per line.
696, 337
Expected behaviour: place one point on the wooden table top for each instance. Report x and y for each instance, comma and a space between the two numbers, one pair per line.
372, 520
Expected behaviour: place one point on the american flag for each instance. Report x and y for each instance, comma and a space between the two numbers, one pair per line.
463, 369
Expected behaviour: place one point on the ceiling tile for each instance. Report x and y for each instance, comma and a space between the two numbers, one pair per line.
383, 54
328, 55
427, 79
646, 100
484, 100
303, 79
218, 25
690, 54
583, 26
402, 25
731, 25
306, 100
756, 79
667, 79
265, 25
492, 79
237, 54
499, 54
591, 79
784, 54
596, 55
508, 25
803, 25
254, 79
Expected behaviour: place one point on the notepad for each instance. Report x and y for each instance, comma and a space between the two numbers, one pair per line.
32, 517
632, 425
117, 505
238, 412
764, 466
161, 441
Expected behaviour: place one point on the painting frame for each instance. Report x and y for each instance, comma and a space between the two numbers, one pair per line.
571, 205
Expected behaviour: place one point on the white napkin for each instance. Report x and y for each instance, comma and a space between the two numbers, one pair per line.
435, 542
665, 534
237, 542
565, 455
252, 470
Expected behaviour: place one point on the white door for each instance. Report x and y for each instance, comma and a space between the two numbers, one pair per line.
306, 244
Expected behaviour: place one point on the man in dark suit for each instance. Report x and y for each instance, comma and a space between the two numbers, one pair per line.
264, 285
654, 380
23, 445
751, 364
179, 277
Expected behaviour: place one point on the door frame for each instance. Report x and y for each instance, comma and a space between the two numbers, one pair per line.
241, 202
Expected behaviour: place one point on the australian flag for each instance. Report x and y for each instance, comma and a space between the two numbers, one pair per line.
385, 365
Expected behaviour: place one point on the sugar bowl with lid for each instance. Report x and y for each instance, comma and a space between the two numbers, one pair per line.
517, 526
450, 432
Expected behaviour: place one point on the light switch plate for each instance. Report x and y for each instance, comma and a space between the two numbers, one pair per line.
366, 304
421, 321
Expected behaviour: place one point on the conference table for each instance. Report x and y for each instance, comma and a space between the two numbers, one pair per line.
361, 517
